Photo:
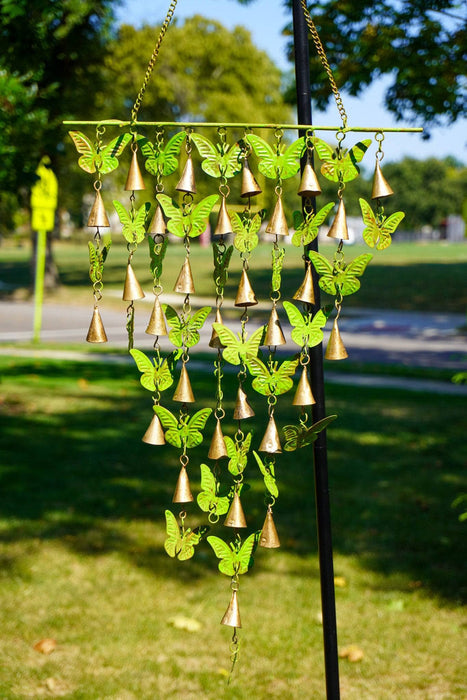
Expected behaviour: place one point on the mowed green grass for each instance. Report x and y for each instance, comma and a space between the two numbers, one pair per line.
82, 503
418, 276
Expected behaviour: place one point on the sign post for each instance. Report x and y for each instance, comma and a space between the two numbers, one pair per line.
43, 205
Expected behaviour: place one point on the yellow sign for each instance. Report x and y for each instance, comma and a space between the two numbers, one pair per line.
44, 195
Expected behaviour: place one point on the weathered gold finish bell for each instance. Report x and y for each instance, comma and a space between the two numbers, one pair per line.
245, 294
242, 406
274, 334
309, 185
157, 324
269, 537
154, 435
306, 292
232, 614
335, 349
184, 392
184, 283
96, 332
217, 448
381, 187
187, 180
134, 180
132, 288
182, 493
250, 187
271, 442
339, 225
278, 223
235, 517
98, 215
158, 223
215, 341
224, 224
303, 395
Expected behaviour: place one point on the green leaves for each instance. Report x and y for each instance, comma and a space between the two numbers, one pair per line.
161, 161
235, 349
378, 229
246, 229
183, 431
208, 499
185, 331
269, 477
133, 221
103, 160
97, 259
340, 165
339, 278
297, 436
180, 543
273, 380
235, 558
306, 329
189, 221
283, 163
220, 160
156, 375
307, 229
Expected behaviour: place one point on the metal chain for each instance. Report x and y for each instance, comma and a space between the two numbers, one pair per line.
152, 60
322, 56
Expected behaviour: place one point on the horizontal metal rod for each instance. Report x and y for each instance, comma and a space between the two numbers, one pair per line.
231, 125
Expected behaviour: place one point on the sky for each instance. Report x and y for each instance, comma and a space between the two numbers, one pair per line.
265, 19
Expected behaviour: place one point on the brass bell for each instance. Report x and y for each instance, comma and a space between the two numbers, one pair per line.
157, 324
215, 341
224, 224
184, 283
182, 493
245, 294
250, 187
271, 442
309, 185
184, 392
134, 180
132, 288
335, 349
187, 180
235, 517
269, 537
381, 187
98, 215
232, 614
96, 332
305, 292
242, 406
154, 435
217, 448
278, 223
158, 223
339, 225
274, 334
303, 395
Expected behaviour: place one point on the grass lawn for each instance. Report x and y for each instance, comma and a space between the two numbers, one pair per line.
82, 503
408, 276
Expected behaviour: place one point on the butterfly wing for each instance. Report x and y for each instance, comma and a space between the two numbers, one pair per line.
268, 475
388, 228
223, 552
163, 378
173, 542
326, 271
327, 156
189, 540
262, 376
109, 154
87, 160
175, 324
244, 556
290, 160
195, 322
251, 346
315, 333
231, 161
170, 424
195, 424
311, 434
268, 159
354, 269
346, 166
209, 153
232, 344
291, 434
283, 376
146, 368
207, 499
173, 213
170, 153
297, 321
199, 215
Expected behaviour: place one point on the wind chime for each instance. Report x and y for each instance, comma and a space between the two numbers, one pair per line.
180, 213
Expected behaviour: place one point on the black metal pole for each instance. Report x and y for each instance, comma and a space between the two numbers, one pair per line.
323, 509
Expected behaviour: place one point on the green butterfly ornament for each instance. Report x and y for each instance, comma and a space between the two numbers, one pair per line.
337, 277
379, 229
340, 165
221, 264
208, 499
246, 230
133, 221
103, 159
156, 375
297, 436
235, 558
185, 332
220, 160
235, 349
272, 380
283, 163
97, 259
190, 221
306, 329
180, 542
157, 251
184, 432
269, 477
161, 161
237, 452
306, 229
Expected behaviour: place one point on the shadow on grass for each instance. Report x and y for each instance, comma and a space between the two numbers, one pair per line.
74, 469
